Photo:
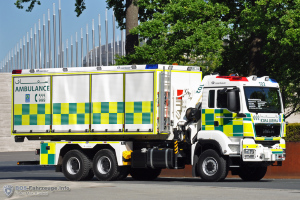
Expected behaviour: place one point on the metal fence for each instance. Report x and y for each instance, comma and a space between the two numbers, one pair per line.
29, 54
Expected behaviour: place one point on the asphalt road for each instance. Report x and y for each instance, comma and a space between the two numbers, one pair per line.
162, 188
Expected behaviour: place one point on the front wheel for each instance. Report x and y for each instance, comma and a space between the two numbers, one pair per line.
252, 173
211, 166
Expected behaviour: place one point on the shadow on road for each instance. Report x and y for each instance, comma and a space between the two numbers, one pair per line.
23, 168
38, 172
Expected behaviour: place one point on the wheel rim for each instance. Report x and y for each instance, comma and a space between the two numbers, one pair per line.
73, 165
104, 165
210, 166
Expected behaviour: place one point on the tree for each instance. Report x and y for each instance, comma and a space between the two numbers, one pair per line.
264, 40
187, 32
130, 12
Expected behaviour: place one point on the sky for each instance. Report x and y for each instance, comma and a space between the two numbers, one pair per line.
15, 23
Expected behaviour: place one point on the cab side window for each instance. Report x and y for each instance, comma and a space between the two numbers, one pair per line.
211, 99
221, 99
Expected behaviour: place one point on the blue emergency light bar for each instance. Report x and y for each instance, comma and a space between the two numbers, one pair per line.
273, 80
152, 66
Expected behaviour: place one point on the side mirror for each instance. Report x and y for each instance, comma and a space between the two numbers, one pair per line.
233, 100
193, 114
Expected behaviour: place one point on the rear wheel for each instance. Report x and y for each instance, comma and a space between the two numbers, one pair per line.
143, 174
105, 165
90, 175
76, 165
252, 173
211, 166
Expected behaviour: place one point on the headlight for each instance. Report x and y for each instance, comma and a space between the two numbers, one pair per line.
249, 153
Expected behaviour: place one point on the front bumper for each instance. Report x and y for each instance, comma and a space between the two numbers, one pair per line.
252, 152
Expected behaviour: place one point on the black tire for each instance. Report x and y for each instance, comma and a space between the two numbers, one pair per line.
90, 175
105, 165
142, 174
76, 165
252, 173
123, 172
211, 166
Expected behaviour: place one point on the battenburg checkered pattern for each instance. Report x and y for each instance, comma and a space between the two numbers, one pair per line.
139, 112
108, 112
32, 114
47, 154
71, 113
228, 122
78, 113
113, 112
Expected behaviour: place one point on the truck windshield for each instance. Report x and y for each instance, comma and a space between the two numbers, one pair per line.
263, 99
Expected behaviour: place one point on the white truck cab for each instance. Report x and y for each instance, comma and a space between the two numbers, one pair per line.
241, 126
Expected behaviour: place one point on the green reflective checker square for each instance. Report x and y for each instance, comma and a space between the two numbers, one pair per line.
129, 118
41, 108
151, 106
113, 118
72, 108
87, 108
146, 118
64, 119
96, 118
56, 108
43, 148
120, 107
33, 120
80, 118
104, 107
209, 117
51, 159
209, 123
47, 119
25, 109
17, 120
237, 128
138, 107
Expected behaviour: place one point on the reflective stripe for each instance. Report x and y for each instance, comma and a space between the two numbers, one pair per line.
32, 114
250, 146
228, 122
277, 151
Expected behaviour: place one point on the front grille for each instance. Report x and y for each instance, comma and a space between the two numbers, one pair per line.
267, 130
